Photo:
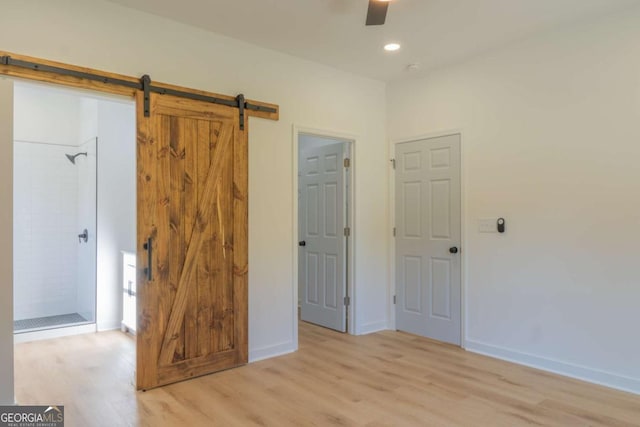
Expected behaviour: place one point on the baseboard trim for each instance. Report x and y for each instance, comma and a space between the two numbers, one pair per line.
271, 351
54, 333
369, 328
596, 376
109, 326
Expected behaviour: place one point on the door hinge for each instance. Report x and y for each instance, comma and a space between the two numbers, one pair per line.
347, 163
393, 163
347, 231
347, 301
394, 232
394, 299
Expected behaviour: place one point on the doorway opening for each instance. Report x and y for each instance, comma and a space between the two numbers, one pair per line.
325, 230
74, 204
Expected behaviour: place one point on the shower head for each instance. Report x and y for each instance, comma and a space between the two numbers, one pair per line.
72, 157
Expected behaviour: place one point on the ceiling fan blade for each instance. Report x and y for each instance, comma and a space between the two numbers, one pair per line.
377, 13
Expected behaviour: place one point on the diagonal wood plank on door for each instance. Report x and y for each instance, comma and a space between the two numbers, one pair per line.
223, 332
207, 134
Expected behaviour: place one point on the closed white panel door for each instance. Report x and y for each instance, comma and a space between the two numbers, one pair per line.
428, 285
322, 240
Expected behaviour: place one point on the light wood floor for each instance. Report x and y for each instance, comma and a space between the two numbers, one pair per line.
387, 378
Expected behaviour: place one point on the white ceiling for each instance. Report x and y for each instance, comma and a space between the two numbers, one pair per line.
433, 33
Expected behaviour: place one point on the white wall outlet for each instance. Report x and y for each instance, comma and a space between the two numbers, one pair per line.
488, 225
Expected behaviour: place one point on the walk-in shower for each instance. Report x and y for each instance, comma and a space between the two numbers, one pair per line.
74, 162
55, 195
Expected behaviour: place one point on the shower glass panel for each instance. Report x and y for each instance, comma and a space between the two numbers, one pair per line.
55, 210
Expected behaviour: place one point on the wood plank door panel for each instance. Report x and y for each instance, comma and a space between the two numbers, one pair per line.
192, 207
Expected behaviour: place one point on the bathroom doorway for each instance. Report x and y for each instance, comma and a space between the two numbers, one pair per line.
74, 210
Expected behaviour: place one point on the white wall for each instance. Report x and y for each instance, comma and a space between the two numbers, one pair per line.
45, 228
88, 121
6, 242
116, 204
550, 142
106, 36
36, 119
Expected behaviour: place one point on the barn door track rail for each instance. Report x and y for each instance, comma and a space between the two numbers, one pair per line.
144, 84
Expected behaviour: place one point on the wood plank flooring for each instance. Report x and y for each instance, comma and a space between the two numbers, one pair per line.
383, 379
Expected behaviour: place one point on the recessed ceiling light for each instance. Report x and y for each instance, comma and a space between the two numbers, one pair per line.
391, 47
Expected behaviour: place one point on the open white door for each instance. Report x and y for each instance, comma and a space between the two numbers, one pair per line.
322, 236
428, 234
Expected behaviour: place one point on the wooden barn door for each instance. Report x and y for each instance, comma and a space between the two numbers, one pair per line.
192, 240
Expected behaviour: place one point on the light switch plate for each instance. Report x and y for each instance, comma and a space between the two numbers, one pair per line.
488, 225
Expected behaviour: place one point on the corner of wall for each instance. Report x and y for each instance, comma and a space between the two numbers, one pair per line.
281, 349
6, 243
371, 327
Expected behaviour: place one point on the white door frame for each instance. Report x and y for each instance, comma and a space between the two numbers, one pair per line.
463, 226
351, 194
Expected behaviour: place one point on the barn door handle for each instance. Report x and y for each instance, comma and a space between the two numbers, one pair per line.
148, 247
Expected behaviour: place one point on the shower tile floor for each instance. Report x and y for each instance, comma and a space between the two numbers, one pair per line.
48, 322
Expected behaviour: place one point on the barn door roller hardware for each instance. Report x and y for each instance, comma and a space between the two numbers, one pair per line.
144, 85
241, 106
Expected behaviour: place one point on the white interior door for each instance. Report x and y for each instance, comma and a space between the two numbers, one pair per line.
322, 240
428, 285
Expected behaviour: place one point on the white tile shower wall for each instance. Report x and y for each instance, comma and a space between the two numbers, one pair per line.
45, 231
86, 209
